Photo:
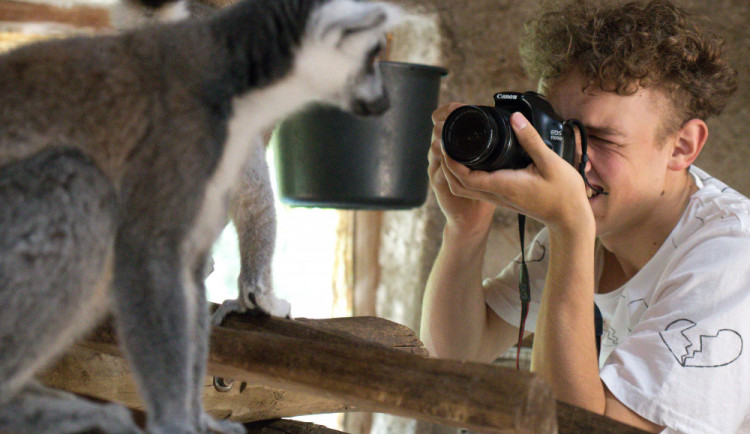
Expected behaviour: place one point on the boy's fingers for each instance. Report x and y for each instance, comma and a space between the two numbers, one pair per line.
437, 133
529, 139
460, 188
475, 180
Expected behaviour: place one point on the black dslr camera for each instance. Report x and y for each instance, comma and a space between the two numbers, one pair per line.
480, 137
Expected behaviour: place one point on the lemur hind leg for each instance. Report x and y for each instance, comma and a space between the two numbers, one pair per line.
57, 225
36, 409
254, 217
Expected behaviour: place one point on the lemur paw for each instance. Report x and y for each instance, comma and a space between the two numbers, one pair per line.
264, 304
118, 419
269, 304
227, 307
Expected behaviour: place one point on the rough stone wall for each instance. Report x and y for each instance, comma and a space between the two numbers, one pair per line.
479, 46
727, 153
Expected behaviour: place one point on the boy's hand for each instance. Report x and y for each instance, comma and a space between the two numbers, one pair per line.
549, 190
466, 214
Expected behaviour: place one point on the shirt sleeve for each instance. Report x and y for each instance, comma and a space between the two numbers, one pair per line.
501, 291
683, 365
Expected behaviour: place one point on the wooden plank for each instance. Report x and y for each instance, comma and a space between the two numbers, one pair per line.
272, 426
372, 377
383, 380
76, 16
424, 389
105, 376
367, 329
304, 360
285, 426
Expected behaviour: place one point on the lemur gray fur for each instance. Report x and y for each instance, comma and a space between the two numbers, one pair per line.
118, 155
252, 204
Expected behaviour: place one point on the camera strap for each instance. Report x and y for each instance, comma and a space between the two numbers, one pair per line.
584, 154
524, 288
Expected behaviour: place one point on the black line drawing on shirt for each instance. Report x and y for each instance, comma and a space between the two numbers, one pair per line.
637, 300
636, 308
694, 349
611, 338
541, 258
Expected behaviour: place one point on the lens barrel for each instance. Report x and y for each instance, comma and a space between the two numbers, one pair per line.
480, 137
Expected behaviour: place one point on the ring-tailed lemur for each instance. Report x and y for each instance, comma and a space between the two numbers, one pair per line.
252, 204
117, 159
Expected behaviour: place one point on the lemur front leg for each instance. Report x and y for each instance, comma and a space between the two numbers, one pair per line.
162, 320
204, 421
156, 321
254, 216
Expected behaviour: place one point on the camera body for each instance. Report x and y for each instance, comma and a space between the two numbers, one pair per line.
481, 138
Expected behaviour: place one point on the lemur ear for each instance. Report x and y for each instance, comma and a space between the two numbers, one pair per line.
340, 19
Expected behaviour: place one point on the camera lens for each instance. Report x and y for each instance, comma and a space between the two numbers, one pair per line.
468, 134
479, 137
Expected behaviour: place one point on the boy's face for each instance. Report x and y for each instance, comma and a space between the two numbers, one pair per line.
626, 158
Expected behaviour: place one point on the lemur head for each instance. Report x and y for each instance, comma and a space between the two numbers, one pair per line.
340, 51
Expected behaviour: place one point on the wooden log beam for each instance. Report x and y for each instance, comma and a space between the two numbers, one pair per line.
76, 16
365, 330
419, 388
470, 395
271, 426
372, 330
299, 358
105, 376
323, 358
284, 426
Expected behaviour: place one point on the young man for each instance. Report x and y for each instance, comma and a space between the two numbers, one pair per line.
665, 254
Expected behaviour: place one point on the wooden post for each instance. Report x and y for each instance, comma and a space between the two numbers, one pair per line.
343, 266
361, 234
367, 225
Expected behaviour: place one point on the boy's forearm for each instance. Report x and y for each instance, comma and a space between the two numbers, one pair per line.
454, 309
564, 351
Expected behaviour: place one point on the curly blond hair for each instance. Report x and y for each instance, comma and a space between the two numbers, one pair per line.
621, 47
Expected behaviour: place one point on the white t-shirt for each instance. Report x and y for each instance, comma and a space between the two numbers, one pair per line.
673, 342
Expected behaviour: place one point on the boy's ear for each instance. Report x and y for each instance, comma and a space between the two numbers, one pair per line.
688, 143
